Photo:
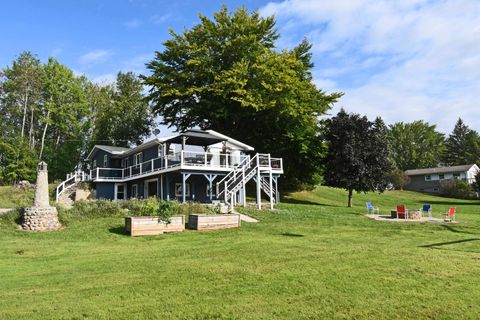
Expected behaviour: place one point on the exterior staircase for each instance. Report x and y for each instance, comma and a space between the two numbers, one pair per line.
248, 169
65, 193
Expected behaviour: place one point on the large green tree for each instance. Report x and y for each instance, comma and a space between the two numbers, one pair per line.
462, 145
357, 158
122, 115
415, 145
225, 74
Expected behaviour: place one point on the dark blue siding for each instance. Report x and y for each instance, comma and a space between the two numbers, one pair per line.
105, 190
150, 153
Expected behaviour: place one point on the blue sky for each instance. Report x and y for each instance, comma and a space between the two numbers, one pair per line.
403, 60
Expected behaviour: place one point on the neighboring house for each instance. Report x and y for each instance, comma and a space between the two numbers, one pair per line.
195, 165
429, 179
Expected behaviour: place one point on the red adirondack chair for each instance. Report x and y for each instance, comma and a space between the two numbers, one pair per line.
450, 214
402, 210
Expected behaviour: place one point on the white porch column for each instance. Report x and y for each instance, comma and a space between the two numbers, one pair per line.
259, 191
270, 180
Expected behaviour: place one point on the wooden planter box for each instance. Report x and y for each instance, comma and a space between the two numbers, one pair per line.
144, 226
213, 221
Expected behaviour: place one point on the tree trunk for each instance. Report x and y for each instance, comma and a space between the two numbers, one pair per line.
350, 195
30, 133
24, 112
43, 135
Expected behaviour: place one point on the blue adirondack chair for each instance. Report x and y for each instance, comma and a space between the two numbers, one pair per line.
371, 208
427, 209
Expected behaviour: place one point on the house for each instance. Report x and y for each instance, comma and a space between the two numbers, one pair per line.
195, 165
430, 179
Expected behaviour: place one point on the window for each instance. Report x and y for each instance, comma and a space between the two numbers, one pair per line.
120, 192
134, 191
435, 189
428, 178
160, 150
178, 189
137, 158
441, 176
105, 161
125, 163
456, 175
94, 164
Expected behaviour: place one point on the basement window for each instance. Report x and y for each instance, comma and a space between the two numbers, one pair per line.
178, 189
428, 178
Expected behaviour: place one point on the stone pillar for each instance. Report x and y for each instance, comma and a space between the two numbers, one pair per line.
41, 217
41, 189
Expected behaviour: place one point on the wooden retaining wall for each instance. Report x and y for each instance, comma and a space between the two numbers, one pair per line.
143, 226
213, 221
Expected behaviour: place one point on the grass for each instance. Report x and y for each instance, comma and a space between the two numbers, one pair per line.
11, 197
312, 258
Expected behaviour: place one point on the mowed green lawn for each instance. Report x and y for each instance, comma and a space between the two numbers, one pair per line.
312, 258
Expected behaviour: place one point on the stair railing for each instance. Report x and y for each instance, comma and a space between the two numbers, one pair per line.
72, 179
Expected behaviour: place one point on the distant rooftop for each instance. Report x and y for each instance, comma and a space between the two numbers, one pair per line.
461, 168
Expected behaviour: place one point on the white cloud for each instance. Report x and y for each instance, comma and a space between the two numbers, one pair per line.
402, 60
137, 63
105, 79
95, 56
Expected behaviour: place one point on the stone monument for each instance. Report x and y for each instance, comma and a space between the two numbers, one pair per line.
41, 217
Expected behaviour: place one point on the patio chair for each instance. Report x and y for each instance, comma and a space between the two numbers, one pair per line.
371, 208
402, 210
450, 215
427, 209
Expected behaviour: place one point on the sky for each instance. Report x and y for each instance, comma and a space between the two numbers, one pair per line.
402, 60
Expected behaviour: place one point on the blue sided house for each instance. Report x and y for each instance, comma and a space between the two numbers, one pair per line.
195, 165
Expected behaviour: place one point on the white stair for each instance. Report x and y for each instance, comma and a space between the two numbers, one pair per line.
249, 168
67, 188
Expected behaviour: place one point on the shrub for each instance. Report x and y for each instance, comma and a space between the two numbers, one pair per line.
398, 178
457, 189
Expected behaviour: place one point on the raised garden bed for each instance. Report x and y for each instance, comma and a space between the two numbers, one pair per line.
143, 226
213, 221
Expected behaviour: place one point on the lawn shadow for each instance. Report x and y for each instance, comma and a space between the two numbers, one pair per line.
447, 243
289, 234
296, 201
452, 203
119, 230
452, 229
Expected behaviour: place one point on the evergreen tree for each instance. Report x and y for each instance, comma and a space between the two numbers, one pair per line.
462, 145
357, 157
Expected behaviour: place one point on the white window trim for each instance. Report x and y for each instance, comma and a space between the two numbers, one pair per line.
125, 163
105, 161
429, 178
134, 194
115, 190
160, 151
178, 187
137, 158
145, 187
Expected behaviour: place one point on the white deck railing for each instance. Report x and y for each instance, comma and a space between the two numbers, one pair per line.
197, 160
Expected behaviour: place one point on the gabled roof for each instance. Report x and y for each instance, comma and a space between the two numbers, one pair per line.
195, 137
231, 140
110, 149
462, 168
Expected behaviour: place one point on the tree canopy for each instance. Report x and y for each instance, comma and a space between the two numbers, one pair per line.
49, 113
415, 145
357, 157
225, 74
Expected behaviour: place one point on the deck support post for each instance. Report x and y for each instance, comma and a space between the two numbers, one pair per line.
270, 180
244, 192
167, 186
210, 178
259, 191
277, 195
185, 176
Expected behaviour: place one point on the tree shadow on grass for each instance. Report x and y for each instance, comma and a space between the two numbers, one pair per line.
452, 229
433, 245
119, 230
453, 203
297, 201
289, 234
